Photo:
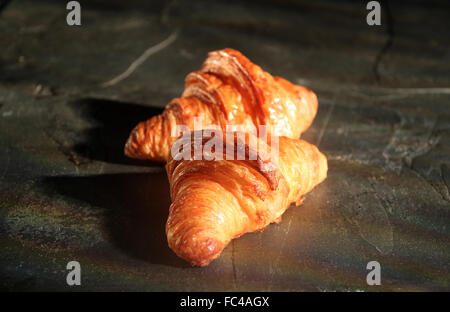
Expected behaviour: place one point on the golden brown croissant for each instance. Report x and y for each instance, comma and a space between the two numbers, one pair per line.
216, 201
228, 90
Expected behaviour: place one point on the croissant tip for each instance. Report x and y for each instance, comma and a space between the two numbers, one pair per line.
135, 146
128, 148
200, 252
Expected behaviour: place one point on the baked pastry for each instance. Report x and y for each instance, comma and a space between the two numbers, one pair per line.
228, 90
215, 201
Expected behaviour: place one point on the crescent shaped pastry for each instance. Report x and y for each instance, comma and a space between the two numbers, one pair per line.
214, 201
228, 90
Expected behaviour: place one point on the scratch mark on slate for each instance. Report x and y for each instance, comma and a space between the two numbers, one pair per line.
399, 93
411, 138
141, 59
327, 120
420, 91
434, 186
446, 179
366, 212
233, 264
387, 45
67, 150
165, 13
277, 259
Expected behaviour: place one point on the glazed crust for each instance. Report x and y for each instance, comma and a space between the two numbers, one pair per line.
218, 200
228, 90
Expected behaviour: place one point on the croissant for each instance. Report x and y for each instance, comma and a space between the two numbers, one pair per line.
215, 201
228, 90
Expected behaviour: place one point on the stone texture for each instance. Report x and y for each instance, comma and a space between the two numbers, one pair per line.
68, 193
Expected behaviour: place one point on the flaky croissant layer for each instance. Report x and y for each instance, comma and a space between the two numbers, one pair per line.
218, 200
228, 90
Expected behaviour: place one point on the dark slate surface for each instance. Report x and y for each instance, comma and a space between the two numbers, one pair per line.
67, 192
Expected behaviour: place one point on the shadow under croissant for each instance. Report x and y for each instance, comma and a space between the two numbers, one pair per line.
137, 206
112, 122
